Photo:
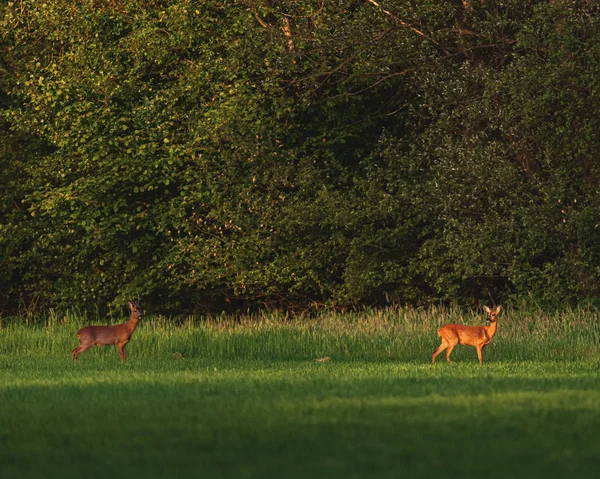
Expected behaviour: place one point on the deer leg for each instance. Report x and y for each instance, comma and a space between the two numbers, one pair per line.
480, 353
449, 350
443, 346
122, 353
80, 349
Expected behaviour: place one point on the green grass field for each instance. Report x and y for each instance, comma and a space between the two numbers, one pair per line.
247, 398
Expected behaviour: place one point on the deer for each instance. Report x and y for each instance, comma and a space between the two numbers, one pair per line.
118, 334
477, 336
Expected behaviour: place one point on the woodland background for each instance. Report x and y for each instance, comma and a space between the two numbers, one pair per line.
231, 155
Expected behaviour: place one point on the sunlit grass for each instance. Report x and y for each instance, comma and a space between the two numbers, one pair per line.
402, 334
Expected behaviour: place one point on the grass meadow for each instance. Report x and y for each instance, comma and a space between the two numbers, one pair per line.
256, 397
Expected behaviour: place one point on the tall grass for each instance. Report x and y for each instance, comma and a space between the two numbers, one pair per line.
396, 334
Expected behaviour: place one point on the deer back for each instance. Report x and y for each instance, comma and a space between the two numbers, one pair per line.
468, 335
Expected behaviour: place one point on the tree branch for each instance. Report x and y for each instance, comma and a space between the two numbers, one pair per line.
407, 25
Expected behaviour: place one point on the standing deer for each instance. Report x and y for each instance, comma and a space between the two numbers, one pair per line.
119, 334
477, 336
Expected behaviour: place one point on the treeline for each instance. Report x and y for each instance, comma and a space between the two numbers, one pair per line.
236, 154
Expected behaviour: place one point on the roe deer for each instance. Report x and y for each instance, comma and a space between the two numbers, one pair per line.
478, 336
119, 334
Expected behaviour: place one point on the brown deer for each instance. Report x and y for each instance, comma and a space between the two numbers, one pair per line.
477, 336
119, 334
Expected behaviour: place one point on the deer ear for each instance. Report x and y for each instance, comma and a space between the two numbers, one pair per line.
498, 308
130, 304
486, 309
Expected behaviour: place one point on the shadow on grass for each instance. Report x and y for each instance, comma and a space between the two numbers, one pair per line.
243, 419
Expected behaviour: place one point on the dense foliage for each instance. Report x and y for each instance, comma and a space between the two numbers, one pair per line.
294, 154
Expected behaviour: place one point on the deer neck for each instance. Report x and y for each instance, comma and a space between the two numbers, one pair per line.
132, 324
491, 329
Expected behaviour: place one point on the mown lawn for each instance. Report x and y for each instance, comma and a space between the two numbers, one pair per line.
250, 400
238, 418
